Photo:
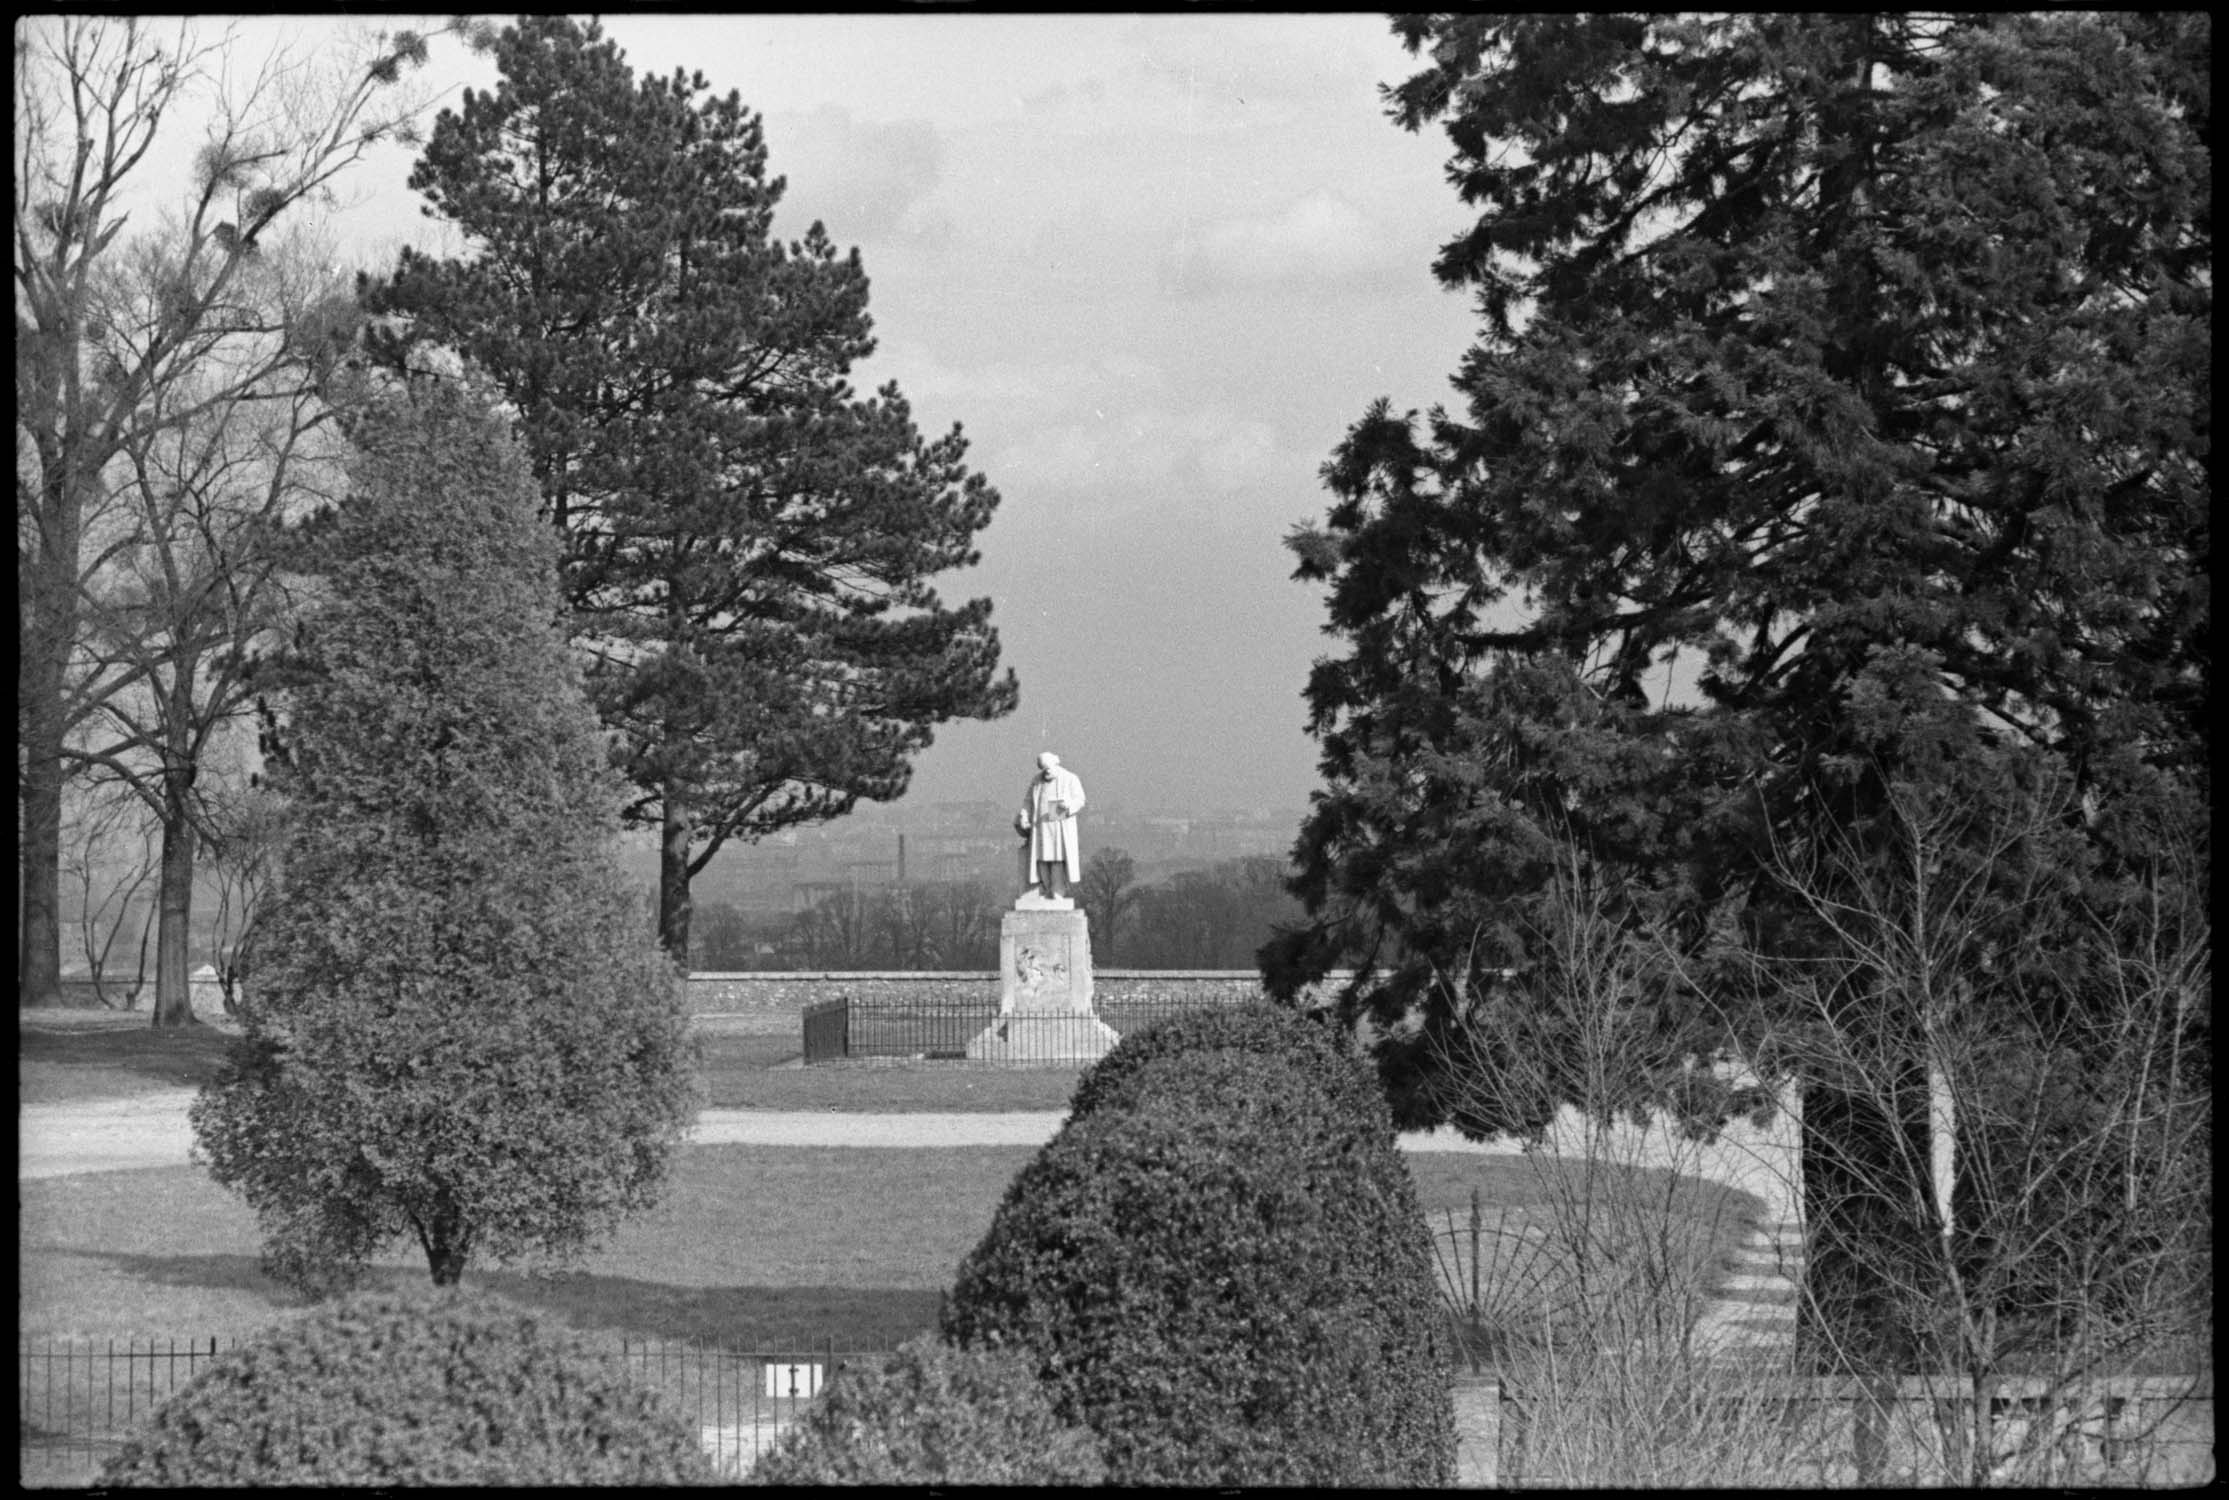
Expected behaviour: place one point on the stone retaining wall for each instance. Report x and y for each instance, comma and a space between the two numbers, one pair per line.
788, 993
759, 993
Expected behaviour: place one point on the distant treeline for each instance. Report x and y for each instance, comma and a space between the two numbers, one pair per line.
1214, 918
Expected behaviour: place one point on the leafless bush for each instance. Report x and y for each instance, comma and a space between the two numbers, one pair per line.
2008, 1101
1589, 1305
109, 865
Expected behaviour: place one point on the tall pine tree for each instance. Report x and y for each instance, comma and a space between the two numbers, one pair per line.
457, 1031
1851, 369
748, 545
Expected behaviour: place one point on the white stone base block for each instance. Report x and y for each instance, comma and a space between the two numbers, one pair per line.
1044, 961
1063, 1036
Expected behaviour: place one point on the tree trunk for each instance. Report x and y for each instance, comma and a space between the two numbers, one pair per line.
673, 879
49, 632
174, 892
1870, 1269
174, 910
448, 1246
446, 1261
39, 856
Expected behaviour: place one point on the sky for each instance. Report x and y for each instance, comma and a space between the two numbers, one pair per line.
1154, 266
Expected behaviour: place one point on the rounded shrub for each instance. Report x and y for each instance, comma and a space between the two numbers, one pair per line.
386, 1388
1223, 1279
1257, 1026
933, 1414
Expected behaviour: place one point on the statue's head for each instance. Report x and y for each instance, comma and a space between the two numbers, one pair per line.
1047, 761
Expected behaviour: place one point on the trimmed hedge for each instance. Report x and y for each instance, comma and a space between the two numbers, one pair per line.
386, 1388
1260, 1026
933, 1414
1224, 1278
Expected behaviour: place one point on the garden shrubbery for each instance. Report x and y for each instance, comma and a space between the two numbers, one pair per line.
461, 1032
1222, 1271
935, 1414
1257, 1026
440, 1388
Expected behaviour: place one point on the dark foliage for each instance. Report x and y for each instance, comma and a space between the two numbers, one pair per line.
1215, 1273
1216, 918
436, 1388
933, 1414
459, 1030
748, 544
1852, 368
1837, 440
1309, 1044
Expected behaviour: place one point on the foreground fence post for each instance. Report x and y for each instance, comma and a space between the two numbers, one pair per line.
1477, 1431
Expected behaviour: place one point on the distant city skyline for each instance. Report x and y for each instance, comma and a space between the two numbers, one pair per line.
971, 841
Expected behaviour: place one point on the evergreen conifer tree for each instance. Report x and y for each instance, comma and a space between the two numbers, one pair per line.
747, 544
1849, 370
458, 1028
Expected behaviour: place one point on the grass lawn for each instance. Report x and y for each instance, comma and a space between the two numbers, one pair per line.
764, 1072
1648, 1237
757, 1247
111, 1058
753, 1247
122, 1057
752, 1244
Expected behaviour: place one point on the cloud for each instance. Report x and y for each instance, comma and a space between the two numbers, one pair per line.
1208, 72
1143, 451
1023, 393
1321, 239
1111, 425
864, 180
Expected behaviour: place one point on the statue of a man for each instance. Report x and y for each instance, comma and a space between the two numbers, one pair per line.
1052, 859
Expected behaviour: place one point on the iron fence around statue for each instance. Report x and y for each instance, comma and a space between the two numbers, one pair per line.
939, 1030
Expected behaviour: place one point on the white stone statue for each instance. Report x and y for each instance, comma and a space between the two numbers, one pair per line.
1052, 859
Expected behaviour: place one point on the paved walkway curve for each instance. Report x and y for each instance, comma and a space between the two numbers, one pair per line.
1753, 1309
151, 1130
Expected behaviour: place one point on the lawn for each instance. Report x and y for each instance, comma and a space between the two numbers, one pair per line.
77, 1056
753, 1247
121, 1057
751, 1244
762, 1248
758, 1248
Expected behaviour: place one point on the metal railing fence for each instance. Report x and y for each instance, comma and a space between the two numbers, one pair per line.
827, 1030
851, 1028
77, 1401
739, 1401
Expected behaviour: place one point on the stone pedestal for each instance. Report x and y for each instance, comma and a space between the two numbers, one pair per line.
1044, 990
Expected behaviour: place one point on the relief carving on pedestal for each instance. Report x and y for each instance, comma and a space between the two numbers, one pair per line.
1038, 966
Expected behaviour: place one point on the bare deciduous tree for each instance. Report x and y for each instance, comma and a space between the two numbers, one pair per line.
109, 869
2033, 1186
194, 582
120, 339
2031, 1177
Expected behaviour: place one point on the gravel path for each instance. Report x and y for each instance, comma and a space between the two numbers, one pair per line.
1754, 1311
56, 1140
